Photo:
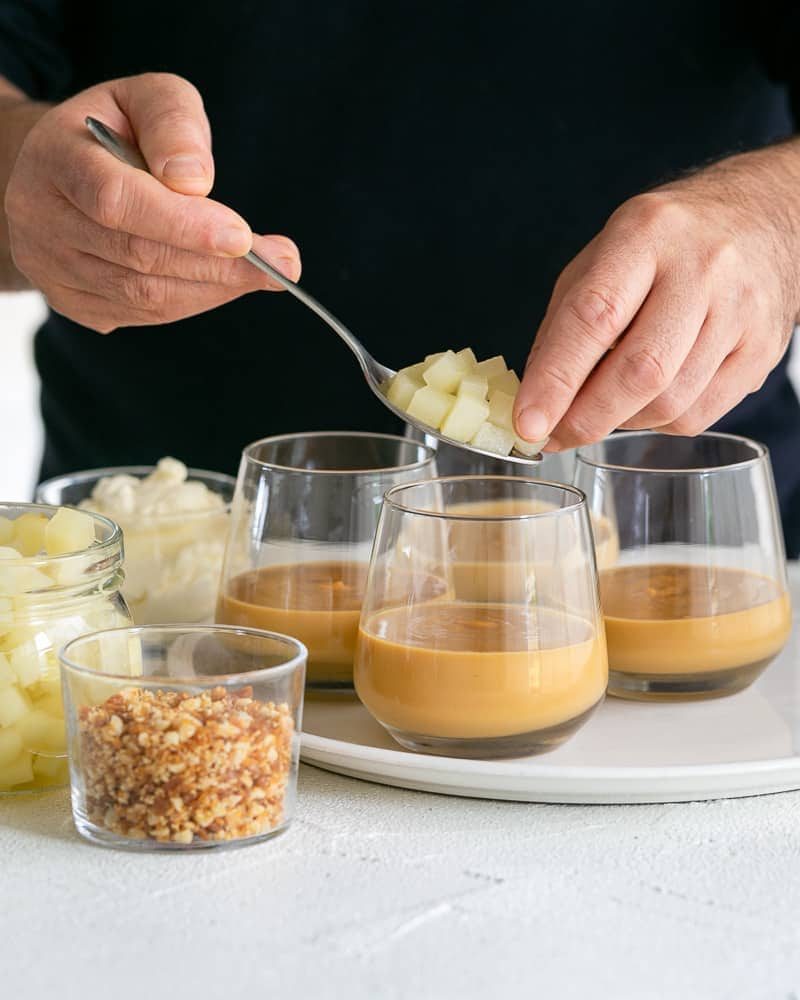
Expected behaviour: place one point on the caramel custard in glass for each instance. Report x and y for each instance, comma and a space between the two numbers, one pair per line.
461, 670
318, 603
678, 620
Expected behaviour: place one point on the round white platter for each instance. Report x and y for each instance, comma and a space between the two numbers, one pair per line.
746, 744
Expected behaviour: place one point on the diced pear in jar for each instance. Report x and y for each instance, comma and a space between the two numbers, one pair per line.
14, 705
68, 530
506, 382
446, 372
6, 530
474, 385
464, 419
492, 438
403, 386
430, 406
42, 732
27, 662
7, 675
51, 770
501, 410
10, 745
29, 532
21, 580
491, 367
17, 772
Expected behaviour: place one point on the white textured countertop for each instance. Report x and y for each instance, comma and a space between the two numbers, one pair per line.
376, 892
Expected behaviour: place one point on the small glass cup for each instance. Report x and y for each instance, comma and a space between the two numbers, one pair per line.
481, 633
302, 528
172, 561
182, 737
698, 604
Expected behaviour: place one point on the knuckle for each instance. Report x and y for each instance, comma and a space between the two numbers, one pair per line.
657, 209
145, 256
562, 378
689, 425
666, 409
644, 372
597, 310
144, 292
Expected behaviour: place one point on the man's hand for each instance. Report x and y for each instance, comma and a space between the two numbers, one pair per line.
110, 245
696, 287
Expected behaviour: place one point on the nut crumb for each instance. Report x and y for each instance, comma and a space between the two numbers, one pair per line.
173, 766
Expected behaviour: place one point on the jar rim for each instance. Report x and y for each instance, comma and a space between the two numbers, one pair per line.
429, 454
578, 502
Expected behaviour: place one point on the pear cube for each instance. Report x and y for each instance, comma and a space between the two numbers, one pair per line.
501, 410
51, 770
27, 663
492, 438
17, 772
68, 530
6, 530
491, 367
474, 385
10, 745
507, 382
464, 419
404, 385
446, 372
14, 705
430, 406
42, 733
467, 355
29, 532
529, 448
7, 675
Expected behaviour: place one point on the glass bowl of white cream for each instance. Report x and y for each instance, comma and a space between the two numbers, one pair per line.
174, 522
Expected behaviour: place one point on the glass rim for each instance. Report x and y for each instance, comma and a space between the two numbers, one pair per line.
760, 450
299, 656
193, 475
100, 548
578, 504
247, 453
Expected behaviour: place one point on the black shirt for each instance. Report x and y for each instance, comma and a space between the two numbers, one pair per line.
438, 165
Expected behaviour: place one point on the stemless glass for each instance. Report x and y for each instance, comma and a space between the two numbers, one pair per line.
481, 633
698, 604
302, 527
182, 737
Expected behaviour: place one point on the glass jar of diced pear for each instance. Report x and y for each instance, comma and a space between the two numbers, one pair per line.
60, 574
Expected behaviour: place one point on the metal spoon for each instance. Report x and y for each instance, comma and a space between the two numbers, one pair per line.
375, 373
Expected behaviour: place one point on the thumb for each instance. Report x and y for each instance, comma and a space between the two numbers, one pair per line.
168, 119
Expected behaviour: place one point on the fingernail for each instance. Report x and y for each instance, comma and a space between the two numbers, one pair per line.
184, 168
232, 240
532, 424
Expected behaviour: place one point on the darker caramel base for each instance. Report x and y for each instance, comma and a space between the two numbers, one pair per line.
494, 747
684, 687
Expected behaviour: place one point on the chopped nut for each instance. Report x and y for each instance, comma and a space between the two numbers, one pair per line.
173, 766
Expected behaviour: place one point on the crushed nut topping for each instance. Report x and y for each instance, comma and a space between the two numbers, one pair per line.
174, 766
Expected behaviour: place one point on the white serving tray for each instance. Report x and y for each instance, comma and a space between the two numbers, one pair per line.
747, 744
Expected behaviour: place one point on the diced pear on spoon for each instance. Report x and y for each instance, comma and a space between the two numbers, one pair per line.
492, 438
529, 448
506, 382
464, 419
474, 385
467, 355
491, 367
404, 385
430, 406
501, 409
446, 372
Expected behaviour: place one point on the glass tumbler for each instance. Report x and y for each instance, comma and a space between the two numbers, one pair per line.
697, 605
173, 559
303, 523
481, 634
182, 737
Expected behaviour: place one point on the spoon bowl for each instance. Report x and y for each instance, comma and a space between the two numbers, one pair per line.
375, 373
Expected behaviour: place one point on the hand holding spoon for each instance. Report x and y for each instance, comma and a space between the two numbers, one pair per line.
375, 373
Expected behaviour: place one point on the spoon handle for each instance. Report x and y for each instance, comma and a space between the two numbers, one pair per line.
128, 153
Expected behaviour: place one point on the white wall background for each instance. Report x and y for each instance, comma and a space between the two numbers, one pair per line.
20, 432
